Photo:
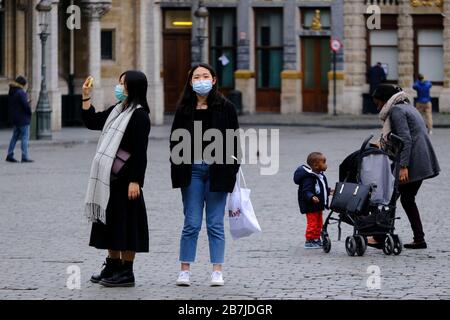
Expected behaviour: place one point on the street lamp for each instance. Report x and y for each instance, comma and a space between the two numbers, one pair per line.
43, 110
202, 14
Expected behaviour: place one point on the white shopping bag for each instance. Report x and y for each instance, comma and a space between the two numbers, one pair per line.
243, 222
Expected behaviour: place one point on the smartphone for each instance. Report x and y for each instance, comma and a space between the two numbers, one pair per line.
90, 82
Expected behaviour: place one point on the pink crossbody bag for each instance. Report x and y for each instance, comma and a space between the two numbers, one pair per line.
122, 157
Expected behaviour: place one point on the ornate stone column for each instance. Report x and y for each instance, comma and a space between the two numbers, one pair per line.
52, 50
444, 99
291, 83
405, 47
355, 56
337, 32
94, 10
245, 76
149, 59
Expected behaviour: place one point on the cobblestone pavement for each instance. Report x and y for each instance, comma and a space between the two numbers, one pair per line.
42, 231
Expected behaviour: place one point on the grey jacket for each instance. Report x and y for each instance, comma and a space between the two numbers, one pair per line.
418, 154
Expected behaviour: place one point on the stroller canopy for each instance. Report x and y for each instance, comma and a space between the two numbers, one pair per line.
376, 169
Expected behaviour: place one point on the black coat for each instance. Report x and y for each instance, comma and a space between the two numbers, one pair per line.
309, 187
222, 176
126, 227
134, 141
19, 108
376, 77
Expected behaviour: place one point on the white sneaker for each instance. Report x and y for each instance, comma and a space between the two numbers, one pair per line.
217, 279
184, 279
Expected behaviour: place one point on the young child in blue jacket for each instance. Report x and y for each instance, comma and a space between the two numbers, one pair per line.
313, 194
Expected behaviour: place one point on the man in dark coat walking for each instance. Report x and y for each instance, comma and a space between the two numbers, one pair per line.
20, 111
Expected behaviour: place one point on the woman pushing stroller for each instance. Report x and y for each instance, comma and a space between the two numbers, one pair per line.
418, 161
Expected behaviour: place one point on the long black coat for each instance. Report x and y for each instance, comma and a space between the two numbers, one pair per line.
126, 227
222, 176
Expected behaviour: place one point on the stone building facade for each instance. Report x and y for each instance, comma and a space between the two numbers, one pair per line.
275, 52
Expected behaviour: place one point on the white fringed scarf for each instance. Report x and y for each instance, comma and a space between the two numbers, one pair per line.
98, 190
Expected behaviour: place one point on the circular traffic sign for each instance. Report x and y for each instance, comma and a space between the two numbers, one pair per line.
336, 45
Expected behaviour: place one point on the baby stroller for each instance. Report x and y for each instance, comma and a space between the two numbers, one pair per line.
366, 197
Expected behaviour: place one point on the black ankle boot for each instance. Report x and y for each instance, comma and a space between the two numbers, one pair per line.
123, 277
109, 267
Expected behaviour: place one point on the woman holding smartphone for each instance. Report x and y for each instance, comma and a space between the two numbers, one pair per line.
114, 201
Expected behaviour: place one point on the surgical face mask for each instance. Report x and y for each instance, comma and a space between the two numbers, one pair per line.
119, 93
202, 87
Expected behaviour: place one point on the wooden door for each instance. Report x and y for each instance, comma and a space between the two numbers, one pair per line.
316, 61
177, 62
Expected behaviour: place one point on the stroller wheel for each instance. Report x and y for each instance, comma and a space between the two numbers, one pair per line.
388, 248
350, 246
361, 245
326, 241
398, 245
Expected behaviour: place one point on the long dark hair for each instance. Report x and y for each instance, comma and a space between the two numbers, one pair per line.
137, 84
385, 91
188, 99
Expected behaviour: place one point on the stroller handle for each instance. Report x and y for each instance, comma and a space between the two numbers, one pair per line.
365, 143
361, 151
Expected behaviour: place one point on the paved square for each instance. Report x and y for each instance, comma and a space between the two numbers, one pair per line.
42, 231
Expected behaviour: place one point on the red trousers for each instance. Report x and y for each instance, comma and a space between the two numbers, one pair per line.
314, 224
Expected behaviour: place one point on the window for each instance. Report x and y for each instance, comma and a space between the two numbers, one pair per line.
107, 44
2, 40
430, 54
223, 46
383, 48
269, 49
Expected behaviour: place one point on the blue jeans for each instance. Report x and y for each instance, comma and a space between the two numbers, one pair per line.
23, 134
194, 199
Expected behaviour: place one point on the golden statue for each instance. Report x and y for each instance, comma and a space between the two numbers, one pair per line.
425, 3
316, 24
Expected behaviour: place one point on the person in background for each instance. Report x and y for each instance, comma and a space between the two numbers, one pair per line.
376, 76
20, 111
423, 104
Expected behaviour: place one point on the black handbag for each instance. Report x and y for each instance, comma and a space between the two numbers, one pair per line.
351, 198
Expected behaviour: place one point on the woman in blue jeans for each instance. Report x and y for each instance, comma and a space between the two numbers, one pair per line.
205, 178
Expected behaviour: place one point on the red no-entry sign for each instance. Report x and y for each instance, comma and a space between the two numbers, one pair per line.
335, 45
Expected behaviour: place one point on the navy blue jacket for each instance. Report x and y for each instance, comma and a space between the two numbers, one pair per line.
311, 186
19, 108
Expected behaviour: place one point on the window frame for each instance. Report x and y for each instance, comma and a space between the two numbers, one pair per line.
259, 48
426, 22
233, 48
388, 23
113, 44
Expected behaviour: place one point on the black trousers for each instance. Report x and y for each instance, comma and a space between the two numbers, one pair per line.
408, 193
